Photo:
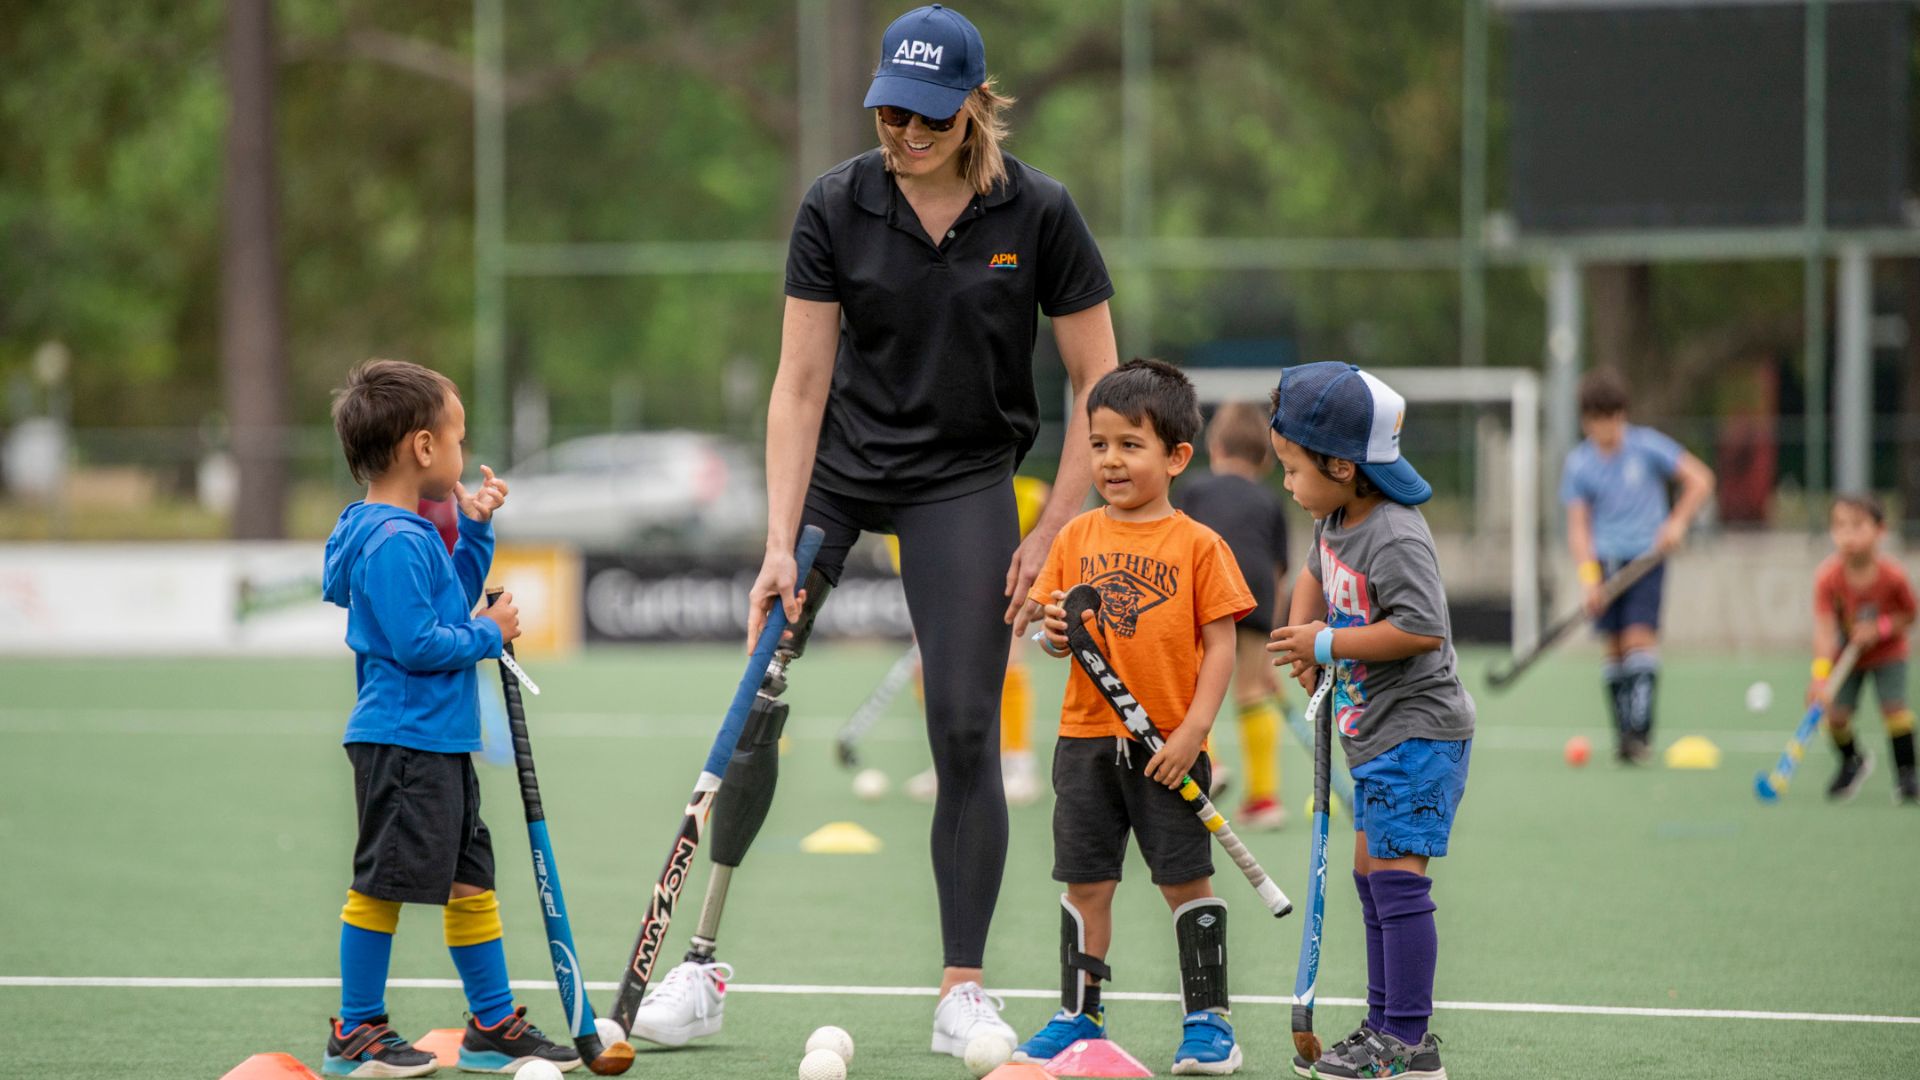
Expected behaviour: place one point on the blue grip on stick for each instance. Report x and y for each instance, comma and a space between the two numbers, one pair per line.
811, 537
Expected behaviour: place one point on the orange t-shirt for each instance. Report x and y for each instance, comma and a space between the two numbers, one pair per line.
1836, 600
1160, 582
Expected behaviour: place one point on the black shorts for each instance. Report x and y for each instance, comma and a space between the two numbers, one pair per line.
1638, 606
420, 827
1101, 792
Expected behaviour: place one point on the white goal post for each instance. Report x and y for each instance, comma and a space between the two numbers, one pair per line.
1516, 388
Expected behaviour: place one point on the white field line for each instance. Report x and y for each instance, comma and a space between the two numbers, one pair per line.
651, 726
150, 983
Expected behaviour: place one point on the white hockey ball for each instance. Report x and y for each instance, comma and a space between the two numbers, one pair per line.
537, 1070
868, 786
832, 1038
1759, 697
822, 1065
609, 1030
987, 1052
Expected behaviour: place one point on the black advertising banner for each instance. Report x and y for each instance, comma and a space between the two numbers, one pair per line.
704, 598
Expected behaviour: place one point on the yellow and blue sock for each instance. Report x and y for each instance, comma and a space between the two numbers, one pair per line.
366, 947
1260, 748
473, 937
1016, 711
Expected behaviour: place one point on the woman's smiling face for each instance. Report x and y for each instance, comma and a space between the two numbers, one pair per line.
919, 150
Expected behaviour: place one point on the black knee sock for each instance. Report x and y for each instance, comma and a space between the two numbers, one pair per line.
1642, 670
1615, 681
1903, 750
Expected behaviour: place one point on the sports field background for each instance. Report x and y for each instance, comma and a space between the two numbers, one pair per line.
193, 819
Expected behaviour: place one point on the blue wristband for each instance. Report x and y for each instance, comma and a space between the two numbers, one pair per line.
1323, 646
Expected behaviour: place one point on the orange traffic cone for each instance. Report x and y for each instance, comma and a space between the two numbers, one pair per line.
443, 1044
270, 1067
1019, 1070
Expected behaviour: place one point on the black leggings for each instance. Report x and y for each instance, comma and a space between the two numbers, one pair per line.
953, 562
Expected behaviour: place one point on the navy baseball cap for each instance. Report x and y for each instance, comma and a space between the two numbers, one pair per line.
1339, 410
931, 58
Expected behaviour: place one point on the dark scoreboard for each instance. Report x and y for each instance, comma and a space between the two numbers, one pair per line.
1639, 114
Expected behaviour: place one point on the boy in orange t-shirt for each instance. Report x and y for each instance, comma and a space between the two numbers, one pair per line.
1861, 595
1170, 592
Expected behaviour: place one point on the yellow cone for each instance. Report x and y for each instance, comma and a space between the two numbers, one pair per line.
1693, 752
840, 838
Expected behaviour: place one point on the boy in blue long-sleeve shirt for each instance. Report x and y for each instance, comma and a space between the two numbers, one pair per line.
416, 721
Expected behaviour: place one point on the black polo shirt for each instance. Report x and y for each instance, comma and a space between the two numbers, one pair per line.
933, 384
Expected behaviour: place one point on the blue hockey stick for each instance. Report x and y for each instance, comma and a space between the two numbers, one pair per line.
604, 1060
1772, 783
673, 876
1307, 976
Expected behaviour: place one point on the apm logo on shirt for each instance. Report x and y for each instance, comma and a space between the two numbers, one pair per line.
921, 54
1006, 260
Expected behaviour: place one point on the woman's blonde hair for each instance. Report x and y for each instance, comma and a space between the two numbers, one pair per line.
980, 159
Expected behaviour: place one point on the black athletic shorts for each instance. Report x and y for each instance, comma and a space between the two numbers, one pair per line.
420, 827
1101, 793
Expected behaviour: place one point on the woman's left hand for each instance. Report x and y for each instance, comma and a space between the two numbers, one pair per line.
1028, 560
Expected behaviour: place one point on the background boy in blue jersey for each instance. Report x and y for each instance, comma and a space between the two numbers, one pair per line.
1614, 487
416, 720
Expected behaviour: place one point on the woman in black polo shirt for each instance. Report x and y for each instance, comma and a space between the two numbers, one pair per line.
916, 275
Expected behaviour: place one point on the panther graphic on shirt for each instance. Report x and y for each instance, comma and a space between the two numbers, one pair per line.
1347, 605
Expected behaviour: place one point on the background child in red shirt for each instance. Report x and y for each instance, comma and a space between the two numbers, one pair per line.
1864, 596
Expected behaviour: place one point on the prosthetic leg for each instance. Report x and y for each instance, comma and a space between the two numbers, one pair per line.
746, 791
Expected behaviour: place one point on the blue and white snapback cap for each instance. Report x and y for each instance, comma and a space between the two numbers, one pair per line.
931, 58
1339, 410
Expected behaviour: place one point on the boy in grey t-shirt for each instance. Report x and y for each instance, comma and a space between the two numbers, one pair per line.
1369, 601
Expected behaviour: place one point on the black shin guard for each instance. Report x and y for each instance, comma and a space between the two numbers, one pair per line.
1200, 926
1075, 964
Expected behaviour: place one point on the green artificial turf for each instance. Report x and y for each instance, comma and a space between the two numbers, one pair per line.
193, 818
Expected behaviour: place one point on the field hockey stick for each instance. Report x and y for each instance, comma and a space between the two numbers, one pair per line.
673, 876
605, 1060
1306, 977
845, 742
1499, 676
1340, 790
1770, 784
1082, 599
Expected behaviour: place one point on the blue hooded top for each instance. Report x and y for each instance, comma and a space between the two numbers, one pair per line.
410, 624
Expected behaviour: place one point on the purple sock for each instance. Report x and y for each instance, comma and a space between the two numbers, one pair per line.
1405, 904
1376, 954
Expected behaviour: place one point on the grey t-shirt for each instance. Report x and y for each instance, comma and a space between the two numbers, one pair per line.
1384, 568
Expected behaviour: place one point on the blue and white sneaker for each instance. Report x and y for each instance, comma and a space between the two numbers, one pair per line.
1062, 1031
1207, 1048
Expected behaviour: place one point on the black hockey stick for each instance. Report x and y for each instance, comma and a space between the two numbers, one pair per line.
1083, 599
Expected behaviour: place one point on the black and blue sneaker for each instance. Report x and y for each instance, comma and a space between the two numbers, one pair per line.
1206, 1047
1304, 1068
1377, 1054
373, 1049
509, 1044
1062, 1031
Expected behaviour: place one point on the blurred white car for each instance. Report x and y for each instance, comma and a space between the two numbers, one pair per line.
630, 492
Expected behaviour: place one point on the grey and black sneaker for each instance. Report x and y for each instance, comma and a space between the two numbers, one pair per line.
509, 1044
373, 1049
1378, 1054
1906, 787
1304, 1068
1853, 773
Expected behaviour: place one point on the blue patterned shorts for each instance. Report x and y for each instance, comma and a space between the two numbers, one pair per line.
1405, 797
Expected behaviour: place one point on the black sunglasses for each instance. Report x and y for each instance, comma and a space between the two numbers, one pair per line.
897, 117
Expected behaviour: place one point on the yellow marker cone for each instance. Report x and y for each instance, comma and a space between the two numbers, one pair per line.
840, 838
1693, 752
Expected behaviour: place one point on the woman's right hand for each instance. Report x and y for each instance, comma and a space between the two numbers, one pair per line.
775, 583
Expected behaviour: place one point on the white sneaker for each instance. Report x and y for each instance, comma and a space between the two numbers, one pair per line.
922, 787
688, 1004
968, 1011
1022, 778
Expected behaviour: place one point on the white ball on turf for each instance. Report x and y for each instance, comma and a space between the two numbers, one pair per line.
1759, 696
834, 1039
870, 784
537, 1070
822, 1065
987, 1052
609, 1030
